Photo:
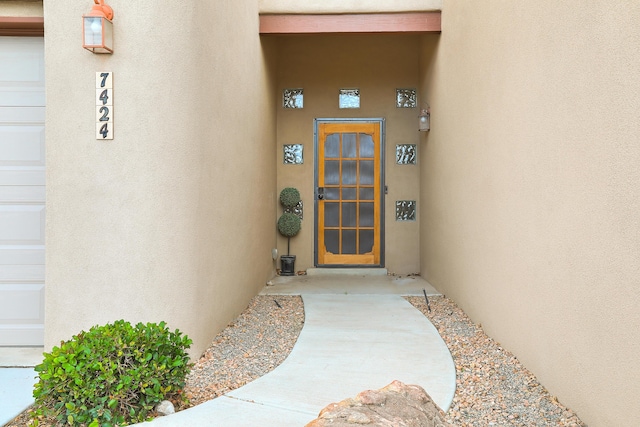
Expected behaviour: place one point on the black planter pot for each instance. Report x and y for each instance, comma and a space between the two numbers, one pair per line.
287, 265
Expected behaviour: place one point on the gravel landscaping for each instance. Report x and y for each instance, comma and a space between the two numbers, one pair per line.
493, 388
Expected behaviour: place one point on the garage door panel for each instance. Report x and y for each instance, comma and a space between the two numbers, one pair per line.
21, 98
22, 293
18, 304
22, 115
22, 71
20, 273
21, 255
22, 146
21, 335
21, 176
22, 194
22, 225
23, 64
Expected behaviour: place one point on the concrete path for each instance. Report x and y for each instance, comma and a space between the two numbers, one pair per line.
359, 334
354, 338
17, 378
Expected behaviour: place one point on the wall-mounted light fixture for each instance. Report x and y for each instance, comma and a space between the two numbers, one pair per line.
424, 119
97, 35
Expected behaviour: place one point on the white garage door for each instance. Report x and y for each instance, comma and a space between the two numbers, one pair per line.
22, 191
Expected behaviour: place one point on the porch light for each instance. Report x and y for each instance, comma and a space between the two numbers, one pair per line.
97, 35
423, 119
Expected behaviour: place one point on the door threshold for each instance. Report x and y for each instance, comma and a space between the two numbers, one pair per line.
347, 271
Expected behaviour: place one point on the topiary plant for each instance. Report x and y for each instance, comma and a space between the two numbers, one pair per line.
289, 224
112, 375
289, 197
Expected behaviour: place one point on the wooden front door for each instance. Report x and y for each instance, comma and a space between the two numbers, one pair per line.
348, 193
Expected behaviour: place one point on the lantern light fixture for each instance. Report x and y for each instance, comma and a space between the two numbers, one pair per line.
424, 119
97, 34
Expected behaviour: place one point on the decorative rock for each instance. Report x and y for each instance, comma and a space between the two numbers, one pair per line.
165, 408
396, 405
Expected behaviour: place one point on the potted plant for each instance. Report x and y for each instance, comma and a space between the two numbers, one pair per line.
289, 225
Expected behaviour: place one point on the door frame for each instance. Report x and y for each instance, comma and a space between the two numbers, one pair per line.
316, 123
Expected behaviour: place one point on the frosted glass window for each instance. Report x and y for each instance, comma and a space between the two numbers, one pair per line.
406, 154
405, 210
293, 98
349, 98
293, 154
406, 98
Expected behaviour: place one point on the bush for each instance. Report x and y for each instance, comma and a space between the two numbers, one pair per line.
112, 375
289, 197
289, 224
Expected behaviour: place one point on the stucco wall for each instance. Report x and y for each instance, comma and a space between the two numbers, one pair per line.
173, 219
347, 6
377, 65
531, 189
21, 8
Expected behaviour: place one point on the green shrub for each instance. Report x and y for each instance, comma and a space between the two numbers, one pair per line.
289, 197
113, 375
289, 224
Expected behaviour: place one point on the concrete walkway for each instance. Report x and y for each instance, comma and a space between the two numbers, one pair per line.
17, 378
359, 334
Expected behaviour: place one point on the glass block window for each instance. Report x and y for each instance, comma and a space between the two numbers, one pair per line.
406, 154
405, 210
296, 210
293, 154
293, 98
349, 98
406, 98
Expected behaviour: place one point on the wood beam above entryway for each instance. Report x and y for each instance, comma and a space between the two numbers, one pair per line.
415, 22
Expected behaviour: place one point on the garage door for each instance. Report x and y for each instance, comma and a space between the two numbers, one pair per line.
22, 191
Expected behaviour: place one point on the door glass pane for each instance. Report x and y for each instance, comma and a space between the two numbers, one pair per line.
349, 194
332, 214
366, 172
348, 241
332, 145
366, 145
332, 193
366, 193
349, 145
332, 172
349, 214
349, 172
366, 214
366, 241
332, 241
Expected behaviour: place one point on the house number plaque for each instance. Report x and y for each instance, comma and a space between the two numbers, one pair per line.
104, 105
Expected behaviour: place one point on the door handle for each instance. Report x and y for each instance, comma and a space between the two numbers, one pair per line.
320, 193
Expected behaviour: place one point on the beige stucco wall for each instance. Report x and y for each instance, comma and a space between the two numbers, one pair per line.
377, 65
347, 6
21, 8
531, 189
162, 222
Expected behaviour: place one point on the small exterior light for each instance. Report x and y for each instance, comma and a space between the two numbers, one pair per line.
423, 119
97, 34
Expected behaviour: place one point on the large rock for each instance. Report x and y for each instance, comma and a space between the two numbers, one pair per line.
396, 405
